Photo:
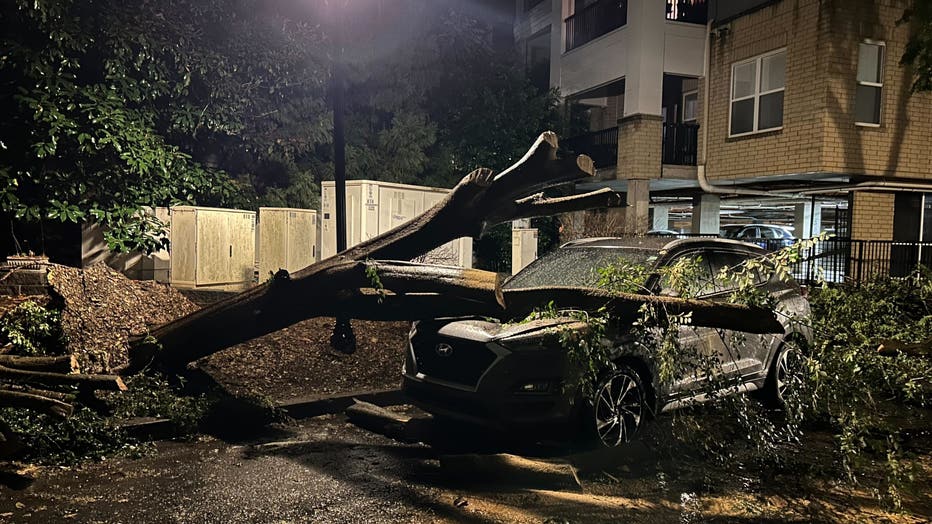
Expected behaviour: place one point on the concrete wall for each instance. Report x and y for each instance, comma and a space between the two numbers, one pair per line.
599, 62
683, 46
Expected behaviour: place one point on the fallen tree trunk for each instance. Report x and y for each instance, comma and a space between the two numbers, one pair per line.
63, 364
49, 406
480, 199
340, 286
95, 382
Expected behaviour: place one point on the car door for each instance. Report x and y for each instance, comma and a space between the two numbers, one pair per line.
740, 354
700, 346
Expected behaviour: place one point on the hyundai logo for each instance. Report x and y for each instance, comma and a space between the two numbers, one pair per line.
444, 350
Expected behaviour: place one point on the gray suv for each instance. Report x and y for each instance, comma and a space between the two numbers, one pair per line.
518, 377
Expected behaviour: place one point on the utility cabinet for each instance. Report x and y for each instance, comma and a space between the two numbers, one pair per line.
374, 207
287, 239
212, 248
135, 265
523, 248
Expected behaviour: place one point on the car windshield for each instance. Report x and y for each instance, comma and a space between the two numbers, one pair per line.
577, 266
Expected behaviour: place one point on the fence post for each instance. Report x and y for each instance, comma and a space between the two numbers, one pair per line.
860, 261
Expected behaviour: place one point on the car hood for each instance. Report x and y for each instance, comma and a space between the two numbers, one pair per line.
487, 331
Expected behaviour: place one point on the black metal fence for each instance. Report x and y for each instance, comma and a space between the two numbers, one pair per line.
601, 146
595, 20
843, 260
680, 143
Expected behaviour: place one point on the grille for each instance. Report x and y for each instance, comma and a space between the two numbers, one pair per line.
464, 365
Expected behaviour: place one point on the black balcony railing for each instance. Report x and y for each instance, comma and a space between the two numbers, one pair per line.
601, 146
595, 20
680, 142
689, 11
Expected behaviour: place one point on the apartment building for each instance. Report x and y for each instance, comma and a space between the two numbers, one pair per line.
769, 100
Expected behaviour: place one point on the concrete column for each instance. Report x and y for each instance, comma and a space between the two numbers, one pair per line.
637, 214
557, 38
706, 210
644, 57
807, 220
523, 248
661, 218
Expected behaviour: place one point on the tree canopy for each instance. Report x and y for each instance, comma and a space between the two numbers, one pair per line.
918, 52
117, 106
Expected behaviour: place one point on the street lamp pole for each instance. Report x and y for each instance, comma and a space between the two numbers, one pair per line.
343, 339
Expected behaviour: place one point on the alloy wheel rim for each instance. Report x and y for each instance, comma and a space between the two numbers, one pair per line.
783, 372
618, 410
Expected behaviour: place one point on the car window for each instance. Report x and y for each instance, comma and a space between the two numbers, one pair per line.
769, 232
703, 284
748, 232
719, 260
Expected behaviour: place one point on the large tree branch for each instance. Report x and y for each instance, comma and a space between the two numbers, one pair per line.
479, 200
342, 286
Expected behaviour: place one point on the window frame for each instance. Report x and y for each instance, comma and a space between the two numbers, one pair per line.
757, 94
695, 118
883, 59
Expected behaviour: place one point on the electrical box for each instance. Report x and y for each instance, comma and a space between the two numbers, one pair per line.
523, 248
135, 265
374, 207
287, 240
212, 248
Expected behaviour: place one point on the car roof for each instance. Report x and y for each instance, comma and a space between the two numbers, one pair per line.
756, 225
663, 244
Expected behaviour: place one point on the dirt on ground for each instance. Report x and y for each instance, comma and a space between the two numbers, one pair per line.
102, 308
298, 361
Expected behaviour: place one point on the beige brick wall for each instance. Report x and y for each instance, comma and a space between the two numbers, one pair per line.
639, 139
818, 134
872, 216
902, 145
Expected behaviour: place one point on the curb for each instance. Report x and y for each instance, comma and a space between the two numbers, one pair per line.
328, 404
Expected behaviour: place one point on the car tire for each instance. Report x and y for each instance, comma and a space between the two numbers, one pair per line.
618, 409
783, 375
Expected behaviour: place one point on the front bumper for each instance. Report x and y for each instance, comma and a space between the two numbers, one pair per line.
494, 398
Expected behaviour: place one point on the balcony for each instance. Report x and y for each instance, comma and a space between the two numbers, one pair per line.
595, 20
688, 11
678, 145
601, 146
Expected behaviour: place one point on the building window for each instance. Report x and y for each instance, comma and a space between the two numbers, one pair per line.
868, 99
690, 104
757, 88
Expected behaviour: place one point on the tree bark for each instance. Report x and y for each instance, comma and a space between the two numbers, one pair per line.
63, 364
104, 382
49, 406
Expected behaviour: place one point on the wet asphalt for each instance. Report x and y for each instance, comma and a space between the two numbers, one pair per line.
320, 470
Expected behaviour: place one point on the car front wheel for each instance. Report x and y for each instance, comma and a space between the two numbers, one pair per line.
619, 407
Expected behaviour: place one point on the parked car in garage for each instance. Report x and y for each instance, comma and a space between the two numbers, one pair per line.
518, 376
767, 236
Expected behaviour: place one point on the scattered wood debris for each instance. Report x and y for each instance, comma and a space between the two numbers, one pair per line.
102, 308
